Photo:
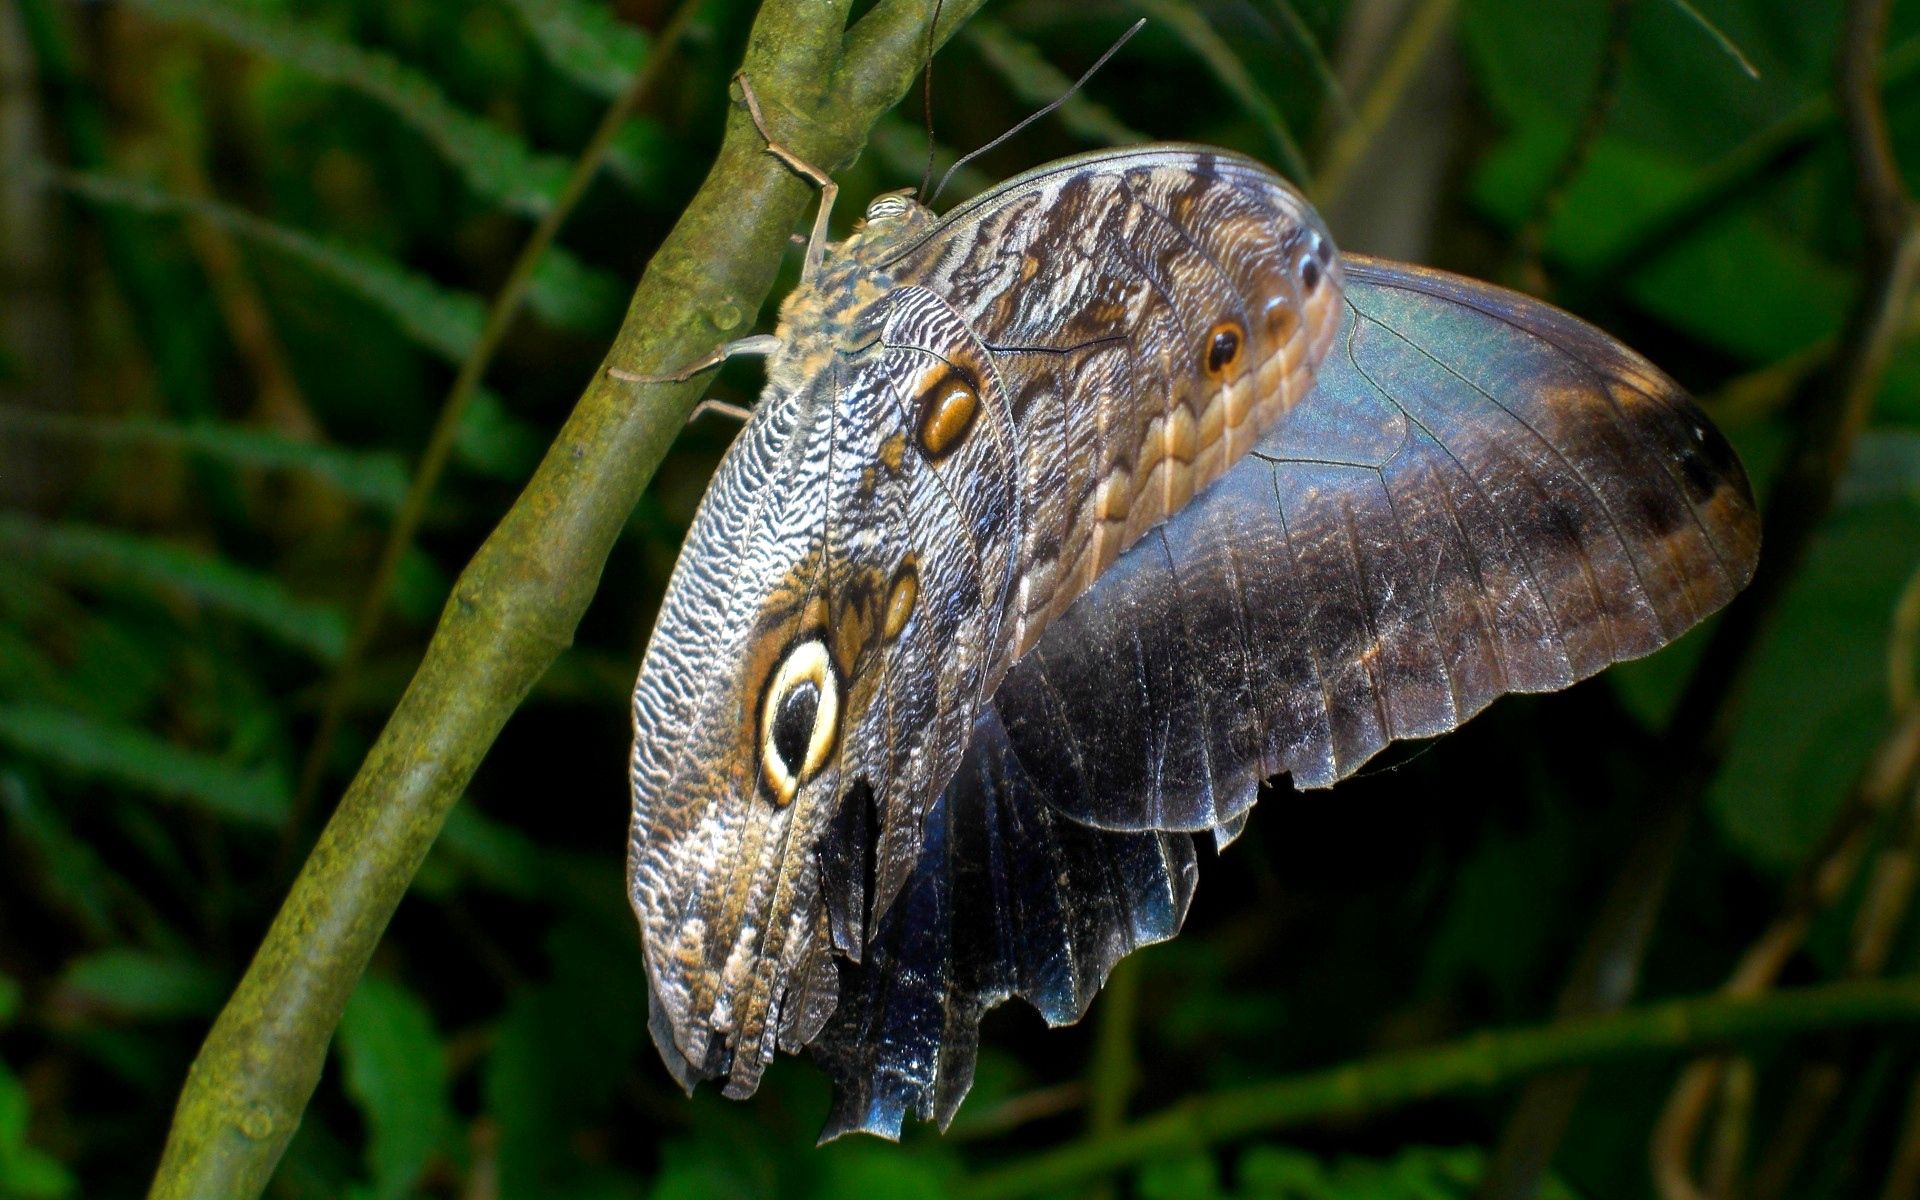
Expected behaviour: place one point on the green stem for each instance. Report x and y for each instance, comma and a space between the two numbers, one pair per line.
1409, 54
1478, 1063
517, 603
439, 449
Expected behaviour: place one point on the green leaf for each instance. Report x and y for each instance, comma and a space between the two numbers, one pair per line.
440, 319
492, 442
866, 1168
1816, 699
375, 477
1218, 54
496, 164
586, 41
110, 558
395, 1068
68, 872
1182, 1177
493, 853
1416, 1173
119, 753
571, 295
134, 983
561, 1050
26, 1173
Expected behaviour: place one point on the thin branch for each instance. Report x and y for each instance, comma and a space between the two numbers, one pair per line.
1829, 416
1825, 877
1530, 243
1479, 1063
446, 427
515, 606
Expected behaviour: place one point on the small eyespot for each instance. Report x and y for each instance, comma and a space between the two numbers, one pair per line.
1310, 272
1224, 342
948, 404
1282, 320
901, 598
799, 719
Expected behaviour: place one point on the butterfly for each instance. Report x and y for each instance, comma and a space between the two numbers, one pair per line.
1064, 521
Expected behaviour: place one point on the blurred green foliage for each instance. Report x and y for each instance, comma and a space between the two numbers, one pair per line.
252, 239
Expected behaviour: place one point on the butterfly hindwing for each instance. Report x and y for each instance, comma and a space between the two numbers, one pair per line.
1009, 898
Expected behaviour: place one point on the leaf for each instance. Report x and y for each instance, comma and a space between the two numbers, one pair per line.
442, 320
257, 796
1816, 698
493, 853
1219, 56
496, 164
1736, 282
141, 985
377, 478
395, 1068
109, 558
67, 871
492, 442
1180, 1177
26, 1173
867, 1168
586, 41
1415, 1173
561, 1049
572, 295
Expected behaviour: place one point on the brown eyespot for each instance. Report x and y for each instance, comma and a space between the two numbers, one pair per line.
948, 403
799, 718
901, 599
1223, 347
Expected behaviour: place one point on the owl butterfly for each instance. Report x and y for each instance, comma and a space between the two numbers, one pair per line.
1064, 521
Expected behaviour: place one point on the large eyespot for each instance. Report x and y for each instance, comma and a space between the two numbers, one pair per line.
799, 717
949, 400
1224, 342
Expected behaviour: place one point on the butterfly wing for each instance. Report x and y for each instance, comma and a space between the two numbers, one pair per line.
1008, 898
1481, 495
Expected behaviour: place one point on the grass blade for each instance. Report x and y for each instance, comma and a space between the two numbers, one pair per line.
111, 558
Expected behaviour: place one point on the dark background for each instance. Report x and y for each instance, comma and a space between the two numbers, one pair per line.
245, 243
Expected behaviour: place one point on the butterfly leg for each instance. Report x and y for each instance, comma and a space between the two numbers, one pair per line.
721, 408
817, 241
759, 344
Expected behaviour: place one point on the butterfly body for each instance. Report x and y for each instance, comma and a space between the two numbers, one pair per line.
1064, 521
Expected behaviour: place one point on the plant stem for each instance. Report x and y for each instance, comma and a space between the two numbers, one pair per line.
1478, 1063
515, 606
1416, 41
446, 428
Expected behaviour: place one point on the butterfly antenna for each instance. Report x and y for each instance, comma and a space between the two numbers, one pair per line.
926, 98
1064, 97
